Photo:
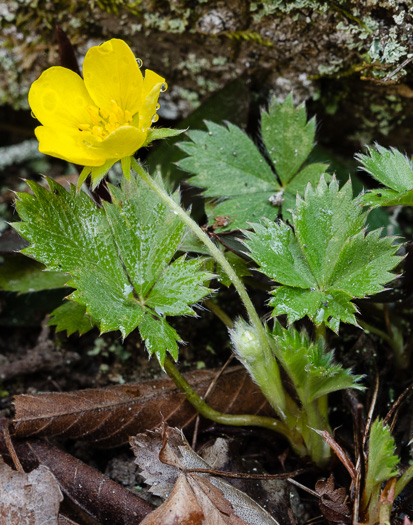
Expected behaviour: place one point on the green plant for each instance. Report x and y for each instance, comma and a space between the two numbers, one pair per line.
378, 477
129, 270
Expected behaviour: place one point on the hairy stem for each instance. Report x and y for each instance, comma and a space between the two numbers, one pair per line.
228, 419
279, 400
315, 415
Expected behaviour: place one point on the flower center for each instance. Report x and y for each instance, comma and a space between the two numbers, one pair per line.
103, 122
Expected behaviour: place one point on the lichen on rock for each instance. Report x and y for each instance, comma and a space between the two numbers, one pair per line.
304, 46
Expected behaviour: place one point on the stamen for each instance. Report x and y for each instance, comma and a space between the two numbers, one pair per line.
98, 132
94, 114
116, 110
103, 122
104, 113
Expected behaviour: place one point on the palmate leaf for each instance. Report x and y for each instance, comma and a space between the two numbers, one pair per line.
325, 259
119, 257
311, 369
392, 169
239, 182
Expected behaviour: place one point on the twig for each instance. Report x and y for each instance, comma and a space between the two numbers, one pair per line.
243, 475
396, 405
10, 448
398, 68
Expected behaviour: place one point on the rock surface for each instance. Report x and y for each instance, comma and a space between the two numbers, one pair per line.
339, 56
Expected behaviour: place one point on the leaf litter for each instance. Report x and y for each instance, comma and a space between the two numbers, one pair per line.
164, 456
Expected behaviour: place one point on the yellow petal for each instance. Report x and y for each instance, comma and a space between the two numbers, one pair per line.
122, 142
59, 98
112, 73
68, 146
150, 93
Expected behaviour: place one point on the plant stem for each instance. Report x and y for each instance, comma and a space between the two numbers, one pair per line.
215, 252
278, 400
216, 310
320, 331
315, 416
403, 481
229, 419
398, 353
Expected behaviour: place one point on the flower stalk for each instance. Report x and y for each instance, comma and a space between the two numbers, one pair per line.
215, 252
229, 419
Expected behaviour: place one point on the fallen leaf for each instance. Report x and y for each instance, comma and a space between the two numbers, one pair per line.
164, 457
28, 499
181, 507
107, 417
96, 494
333, 502
277, 496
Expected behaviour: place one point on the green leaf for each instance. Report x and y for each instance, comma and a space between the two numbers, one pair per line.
176, 288
382, 459
287, 136
159, 337
239, 183
119, 256
191, 243
311, 369
241, 210
392, 169
71, 317
161, 133
226, 162
325, 259
228, 104
23, 275
310, 174
376, 198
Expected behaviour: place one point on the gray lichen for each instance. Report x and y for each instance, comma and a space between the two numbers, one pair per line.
26, 151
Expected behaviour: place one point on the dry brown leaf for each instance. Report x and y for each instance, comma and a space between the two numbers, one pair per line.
277, 496
220, 502
96, 494
28, 499
333, 502
181, 507
109, 416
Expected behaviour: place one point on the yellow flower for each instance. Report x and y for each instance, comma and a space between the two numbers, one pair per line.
101, 119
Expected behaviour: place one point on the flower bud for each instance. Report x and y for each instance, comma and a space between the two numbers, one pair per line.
245, 341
